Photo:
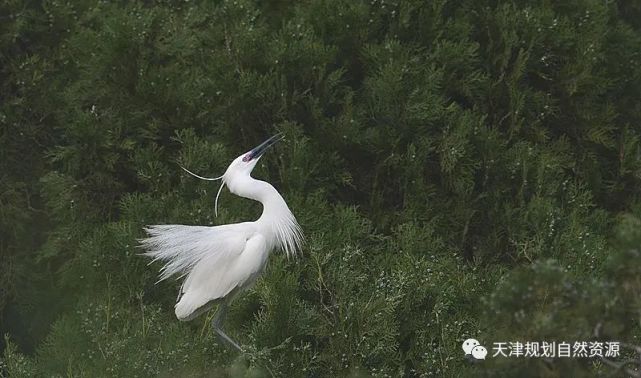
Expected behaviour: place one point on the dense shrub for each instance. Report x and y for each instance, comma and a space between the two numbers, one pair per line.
459, 168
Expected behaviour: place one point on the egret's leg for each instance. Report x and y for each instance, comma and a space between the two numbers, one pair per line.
217, 323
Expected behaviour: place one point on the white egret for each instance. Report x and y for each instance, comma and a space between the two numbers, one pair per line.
219, 262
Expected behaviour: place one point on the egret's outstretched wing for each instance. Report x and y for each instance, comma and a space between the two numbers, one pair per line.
216, 276
182, 247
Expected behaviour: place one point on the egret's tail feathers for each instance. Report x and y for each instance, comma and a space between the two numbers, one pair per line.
180, 247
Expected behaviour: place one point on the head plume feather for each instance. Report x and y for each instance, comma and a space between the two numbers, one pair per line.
222, 184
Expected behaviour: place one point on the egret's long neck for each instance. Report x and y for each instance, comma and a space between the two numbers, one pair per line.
276, 221
263, 192
274, 206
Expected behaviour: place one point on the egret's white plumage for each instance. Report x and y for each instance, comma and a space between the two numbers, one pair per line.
218, 262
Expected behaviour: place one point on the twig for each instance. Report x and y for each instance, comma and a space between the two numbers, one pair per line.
621, 365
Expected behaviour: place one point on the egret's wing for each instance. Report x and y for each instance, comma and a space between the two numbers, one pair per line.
216, 276
182, 247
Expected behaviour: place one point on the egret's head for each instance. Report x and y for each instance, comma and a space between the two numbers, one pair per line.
245, 163
240, 169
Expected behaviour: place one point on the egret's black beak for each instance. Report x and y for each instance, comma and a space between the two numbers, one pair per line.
260, 149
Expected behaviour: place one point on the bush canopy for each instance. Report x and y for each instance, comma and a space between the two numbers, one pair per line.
460, 169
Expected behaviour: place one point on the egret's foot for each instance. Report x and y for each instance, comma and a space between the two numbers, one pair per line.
226, 339
217, 325
282, 345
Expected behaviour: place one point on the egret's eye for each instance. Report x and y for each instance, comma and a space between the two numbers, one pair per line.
247, 158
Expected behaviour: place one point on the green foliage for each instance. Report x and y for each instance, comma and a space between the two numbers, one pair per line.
548, 301
459, 168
